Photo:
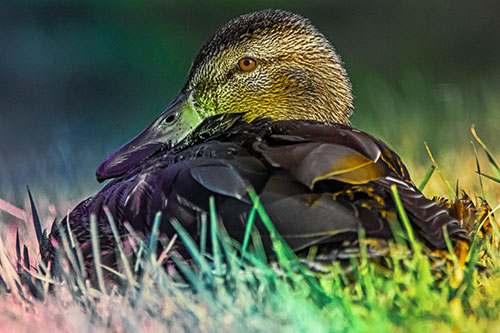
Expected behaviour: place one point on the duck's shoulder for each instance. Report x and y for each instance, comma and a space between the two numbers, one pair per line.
330, 147
311, 150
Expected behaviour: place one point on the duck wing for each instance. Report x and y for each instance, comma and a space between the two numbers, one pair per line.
352, 165
319, 183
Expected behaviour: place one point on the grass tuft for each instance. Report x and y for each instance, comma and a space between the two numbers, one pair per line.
221, 285
96, 252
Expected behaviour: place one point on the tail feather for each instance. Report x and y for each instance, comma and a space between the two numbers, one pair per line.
428, 216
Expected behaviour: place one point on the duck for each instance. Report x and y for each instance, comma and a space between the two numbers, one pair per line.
266, 106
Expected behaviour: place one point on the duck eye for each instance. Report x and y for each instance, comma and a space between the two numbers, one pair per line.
246, 64
171, 118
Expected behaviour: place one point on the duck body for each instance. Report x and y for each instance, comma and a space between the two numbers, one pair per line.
266, 105
320, 184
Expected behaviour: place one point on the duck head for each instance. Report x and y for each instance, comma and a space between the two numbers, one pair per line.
271, 64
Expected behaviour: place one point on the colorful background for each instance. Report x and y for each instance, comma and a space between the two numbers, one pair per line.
78, 79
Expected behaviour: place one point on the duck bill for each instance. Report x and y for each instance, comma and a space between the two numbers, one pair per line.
174, 124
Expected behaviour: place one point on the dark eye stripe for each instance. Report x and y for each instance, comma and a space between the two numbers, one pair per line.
231, 73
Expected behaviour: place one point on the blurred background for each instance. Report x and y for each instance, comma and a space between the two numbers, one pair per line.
78, 79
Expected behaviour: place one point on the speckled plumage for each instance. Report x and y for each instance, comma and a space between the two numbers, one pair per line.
297, 69
281, 128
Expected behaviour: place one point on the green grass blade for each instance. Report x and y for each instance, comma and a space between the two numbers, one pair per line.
283, 252
18, 245
123, 257
26, 257
68, 226
397, 231
166, 250
78, 250
153, 239
248, 228
478, 166
434, 163
364, 269
493, 221
144, 279
472, 260
478, 226
139, 255
36, 275
203, 234
187, 272
216, 253
257, 261
80, 281
96, 252
286, 256
427, 177
258, 245
449, 246
491, 158
489, 177
230, 247
191, 246
404, 218
114, 271
36, 219
134, 237
8, 273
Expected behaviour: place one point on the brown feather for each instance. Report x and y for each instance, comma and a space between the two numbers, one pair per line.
286, 164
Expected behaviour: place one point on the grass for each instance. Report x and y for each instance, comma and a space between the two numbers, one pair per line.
236, 287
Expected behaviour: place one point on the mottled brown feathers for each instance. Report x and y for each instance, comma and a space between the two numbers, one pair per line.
297, 75
246, 27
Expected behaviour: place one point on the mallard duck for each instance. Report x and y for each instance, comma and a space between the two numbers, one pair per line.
266, 105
